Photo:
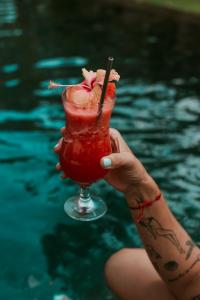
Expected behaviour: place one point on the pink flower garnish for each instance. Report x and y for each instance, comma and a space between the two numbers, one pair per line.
54, 85
90, 77
114, 76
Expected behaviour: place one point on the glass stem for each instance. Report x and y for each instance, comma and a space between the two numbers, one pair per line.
85, 202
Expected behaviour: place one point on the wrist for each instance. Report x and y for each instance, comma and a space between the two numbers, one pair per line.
145, 189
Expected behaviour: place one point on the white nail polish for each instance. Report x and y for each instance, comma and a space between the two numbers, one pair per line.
107, 162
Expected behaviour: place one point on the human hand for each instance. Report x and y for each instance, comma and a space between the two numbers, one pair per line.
57, 149
126, 173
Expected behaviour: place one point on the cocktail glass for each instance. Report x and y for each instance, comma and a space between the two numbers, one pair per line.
86, 141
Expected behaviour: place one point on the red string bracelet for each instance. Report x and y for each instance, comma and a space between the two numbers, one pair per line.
142, 206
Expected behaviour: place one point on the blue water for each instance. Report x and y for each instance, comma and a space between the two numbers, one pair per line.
43, 253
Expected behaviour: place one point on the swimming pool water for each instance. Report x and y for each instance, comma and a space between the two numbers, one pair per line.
43, 252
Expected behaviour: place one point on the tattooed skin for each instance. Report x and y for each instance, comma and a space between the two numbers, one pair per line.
171, 266
186, 271
191, 246
139, 199
156, 230
152, 252
156, 266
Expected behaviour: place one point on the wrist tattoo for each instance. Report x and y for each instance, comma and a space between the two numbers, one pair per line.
157, 230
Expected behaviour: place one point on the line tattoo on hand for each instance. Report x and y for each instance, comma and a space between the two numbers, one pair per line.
156, 230
171, 266
191, 246
197, 260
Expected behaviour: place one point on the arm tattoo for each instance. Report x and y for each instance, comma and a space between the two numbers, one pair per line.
191, 246
152, 252
171, 266
186, 271
197, 297
156, 230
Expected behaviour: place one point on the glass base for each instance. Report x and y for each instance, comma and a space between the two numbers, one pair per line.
94, 209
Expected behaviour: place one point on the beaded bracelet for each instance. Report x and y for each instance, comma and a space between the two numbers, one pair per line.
142, 206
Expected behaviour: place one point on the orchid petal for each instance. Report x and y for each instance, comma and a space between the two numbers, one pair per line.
89, 76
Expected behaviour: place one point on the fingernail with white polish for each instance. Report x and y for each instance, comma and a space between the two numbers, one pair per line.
107, 162
55, 146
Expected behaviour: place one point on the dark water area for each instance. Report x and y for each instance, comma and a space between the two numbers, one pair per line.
43, 253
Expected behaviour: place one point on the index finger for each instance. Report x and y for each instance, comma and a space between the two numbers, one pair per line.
118, 141
63, 130
58, 146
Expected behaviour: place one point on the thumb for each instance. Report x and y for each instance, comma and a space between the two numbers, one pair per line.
118, 160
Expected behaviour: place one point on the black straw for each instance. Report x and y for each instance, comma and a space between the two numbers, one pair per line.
105, 83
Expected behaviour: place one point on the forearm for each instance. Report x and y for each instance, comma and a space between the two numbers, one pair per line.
171, 250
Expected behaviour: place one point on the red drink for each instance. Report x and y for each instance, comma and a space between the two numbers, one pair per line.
86, 140
88, 109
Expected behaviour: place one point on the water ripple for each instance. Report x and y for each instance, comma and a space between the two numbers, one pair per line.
142, 89
8, 13
157, 111
188, 109
11, 83
10, 68
59, 62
